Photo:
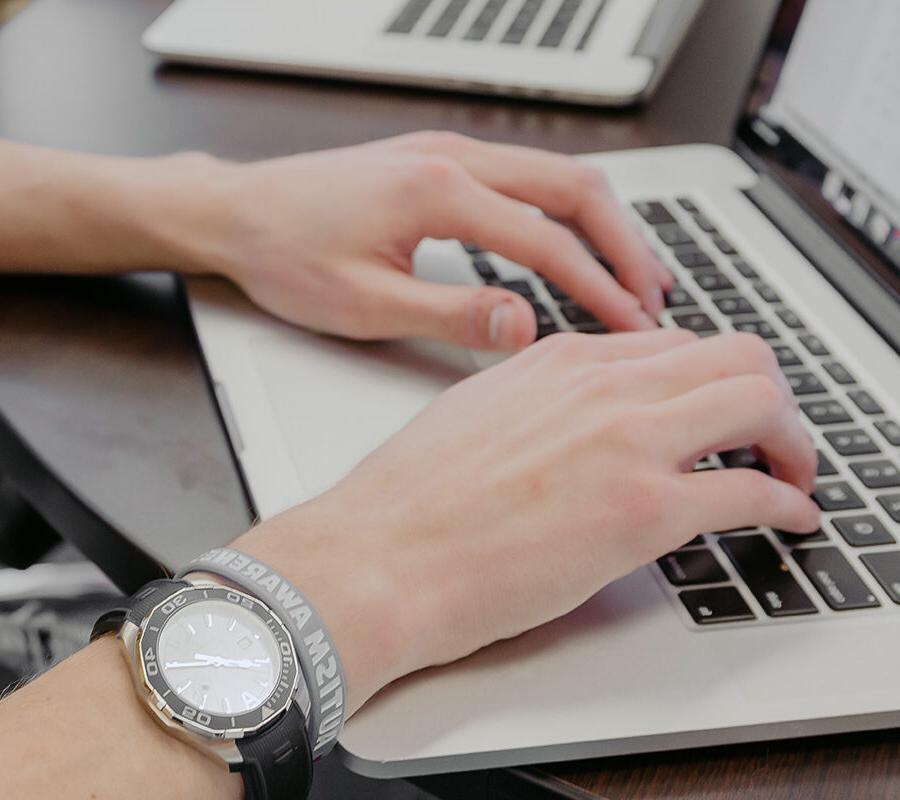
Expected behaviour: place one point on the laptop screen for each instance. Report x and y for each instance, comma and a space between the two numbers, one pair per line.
824, 115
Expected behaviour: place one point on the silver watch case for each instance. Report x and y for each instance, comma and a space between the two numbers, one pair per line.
215, 734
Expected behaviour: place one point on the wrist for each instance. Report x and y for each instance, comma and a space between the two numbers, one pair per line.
322, 549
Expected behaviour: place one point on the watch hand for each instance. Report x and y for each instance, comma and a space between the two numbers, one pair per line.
178, 664
218, 661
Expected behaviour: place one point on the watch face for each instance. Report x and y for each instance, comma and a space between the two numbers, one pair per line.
218, 660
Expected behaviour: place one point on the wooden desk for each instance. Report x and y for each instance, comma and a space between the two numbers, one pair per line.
105, 418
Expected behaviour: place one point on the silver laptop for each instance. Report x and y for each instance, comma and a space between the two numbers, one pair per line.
583, 51
740, 635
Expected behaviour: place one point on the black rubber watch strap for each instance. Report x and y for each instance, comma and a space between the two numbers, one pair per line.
136, 607
277, 763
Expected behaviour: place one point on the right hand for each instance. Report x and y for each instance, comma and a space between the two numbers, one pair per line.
525, 489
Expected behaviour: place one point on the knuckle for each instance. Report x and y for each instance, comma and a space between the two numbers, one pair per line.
753, 349
564, 345
767, 393
591, 179
438, 172
437, 141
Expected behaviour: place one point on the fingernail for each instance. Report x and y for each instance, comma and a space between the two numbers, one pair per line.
502, 326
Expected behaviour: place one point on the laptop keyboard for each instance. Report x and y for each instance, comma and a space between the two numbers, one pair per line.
560, 24
852, 564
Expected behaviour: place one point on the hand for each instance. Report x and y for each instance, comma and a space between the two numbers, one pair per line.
525, 489
325, 239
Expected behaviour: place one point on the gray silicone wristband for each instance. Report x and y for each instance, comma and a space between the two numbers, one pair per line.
316, 653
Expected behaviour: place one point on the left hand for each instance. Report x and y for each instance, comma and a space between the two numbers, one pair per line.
326, 239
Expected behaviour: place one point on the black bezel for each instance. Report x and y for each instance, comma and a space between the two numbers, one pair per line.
216, 725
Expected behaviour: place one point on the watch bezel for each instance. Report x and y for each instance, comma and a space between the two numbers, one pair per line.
217, 726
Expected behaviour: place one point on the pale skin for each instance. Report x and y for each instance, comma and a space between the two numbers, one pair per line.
582, 446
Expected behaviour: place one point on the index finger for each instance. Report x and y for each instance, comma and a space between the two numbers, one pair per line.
567, 189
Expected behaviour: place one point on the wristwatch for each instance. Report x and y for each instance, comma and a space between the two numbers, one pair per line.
219, 670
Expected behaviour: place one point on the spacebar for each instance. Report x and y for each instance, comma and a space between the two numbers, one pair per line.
767, 576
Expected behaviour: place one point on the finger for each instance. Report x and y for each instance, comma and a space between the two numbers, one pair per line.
710, 359
564, 188
457, 206
723, 499
486, 318
738, 412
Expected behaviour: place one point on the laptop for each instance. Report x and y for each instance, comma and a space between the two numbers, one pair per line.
740, 635
582, 51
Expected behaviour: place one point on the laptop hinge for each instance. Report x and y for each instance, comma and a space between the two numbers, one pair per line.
871, 298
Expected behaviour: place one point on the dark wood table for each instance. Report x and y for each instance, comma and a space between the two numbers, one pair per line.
106, 422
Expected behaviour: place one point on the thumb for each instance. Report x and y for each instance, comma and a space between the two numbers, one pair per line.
484, 317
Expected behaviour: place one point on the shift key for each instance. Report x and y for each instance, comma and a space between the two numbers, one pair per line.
767, 576
834, 578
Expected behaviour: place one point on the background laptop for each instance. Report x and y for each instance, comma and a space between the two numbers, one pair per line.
738, 636
583, 51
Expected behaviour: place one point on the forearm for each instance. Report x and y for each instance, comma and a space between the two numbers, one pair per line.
79, 731
78, 213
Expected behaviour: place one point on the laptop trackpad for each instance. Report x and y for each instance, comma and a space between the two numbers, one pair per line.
335, 401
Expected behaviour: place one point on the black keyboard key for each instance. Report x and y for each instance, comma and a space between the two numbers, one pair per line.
766, 575
519, 287
732, 306
891, 504
825, 412
797, 539
758, 326
766, 292
678, 298
591, 327
485, 270
718, 604
522, 22
471, 248
824, 466
838, 372
890, 430
697, 541
886, 569
560, 23
788, 358
881, 474
864, 530
711, 280
853, 442
693, 259
556, 293
742, 458
654, 212
814, 344
704, 224
696, 322
448, 18
745, 269
865, 402
409, 16
835, 579
724, 245
485, 20
545, 322
674, 235
690, 567
591, 26
688, 205
789, 318
802, 383
837, 496
575, 314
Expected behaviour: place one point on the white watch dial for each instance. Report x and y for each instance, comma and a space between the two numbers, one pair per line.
219, 657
